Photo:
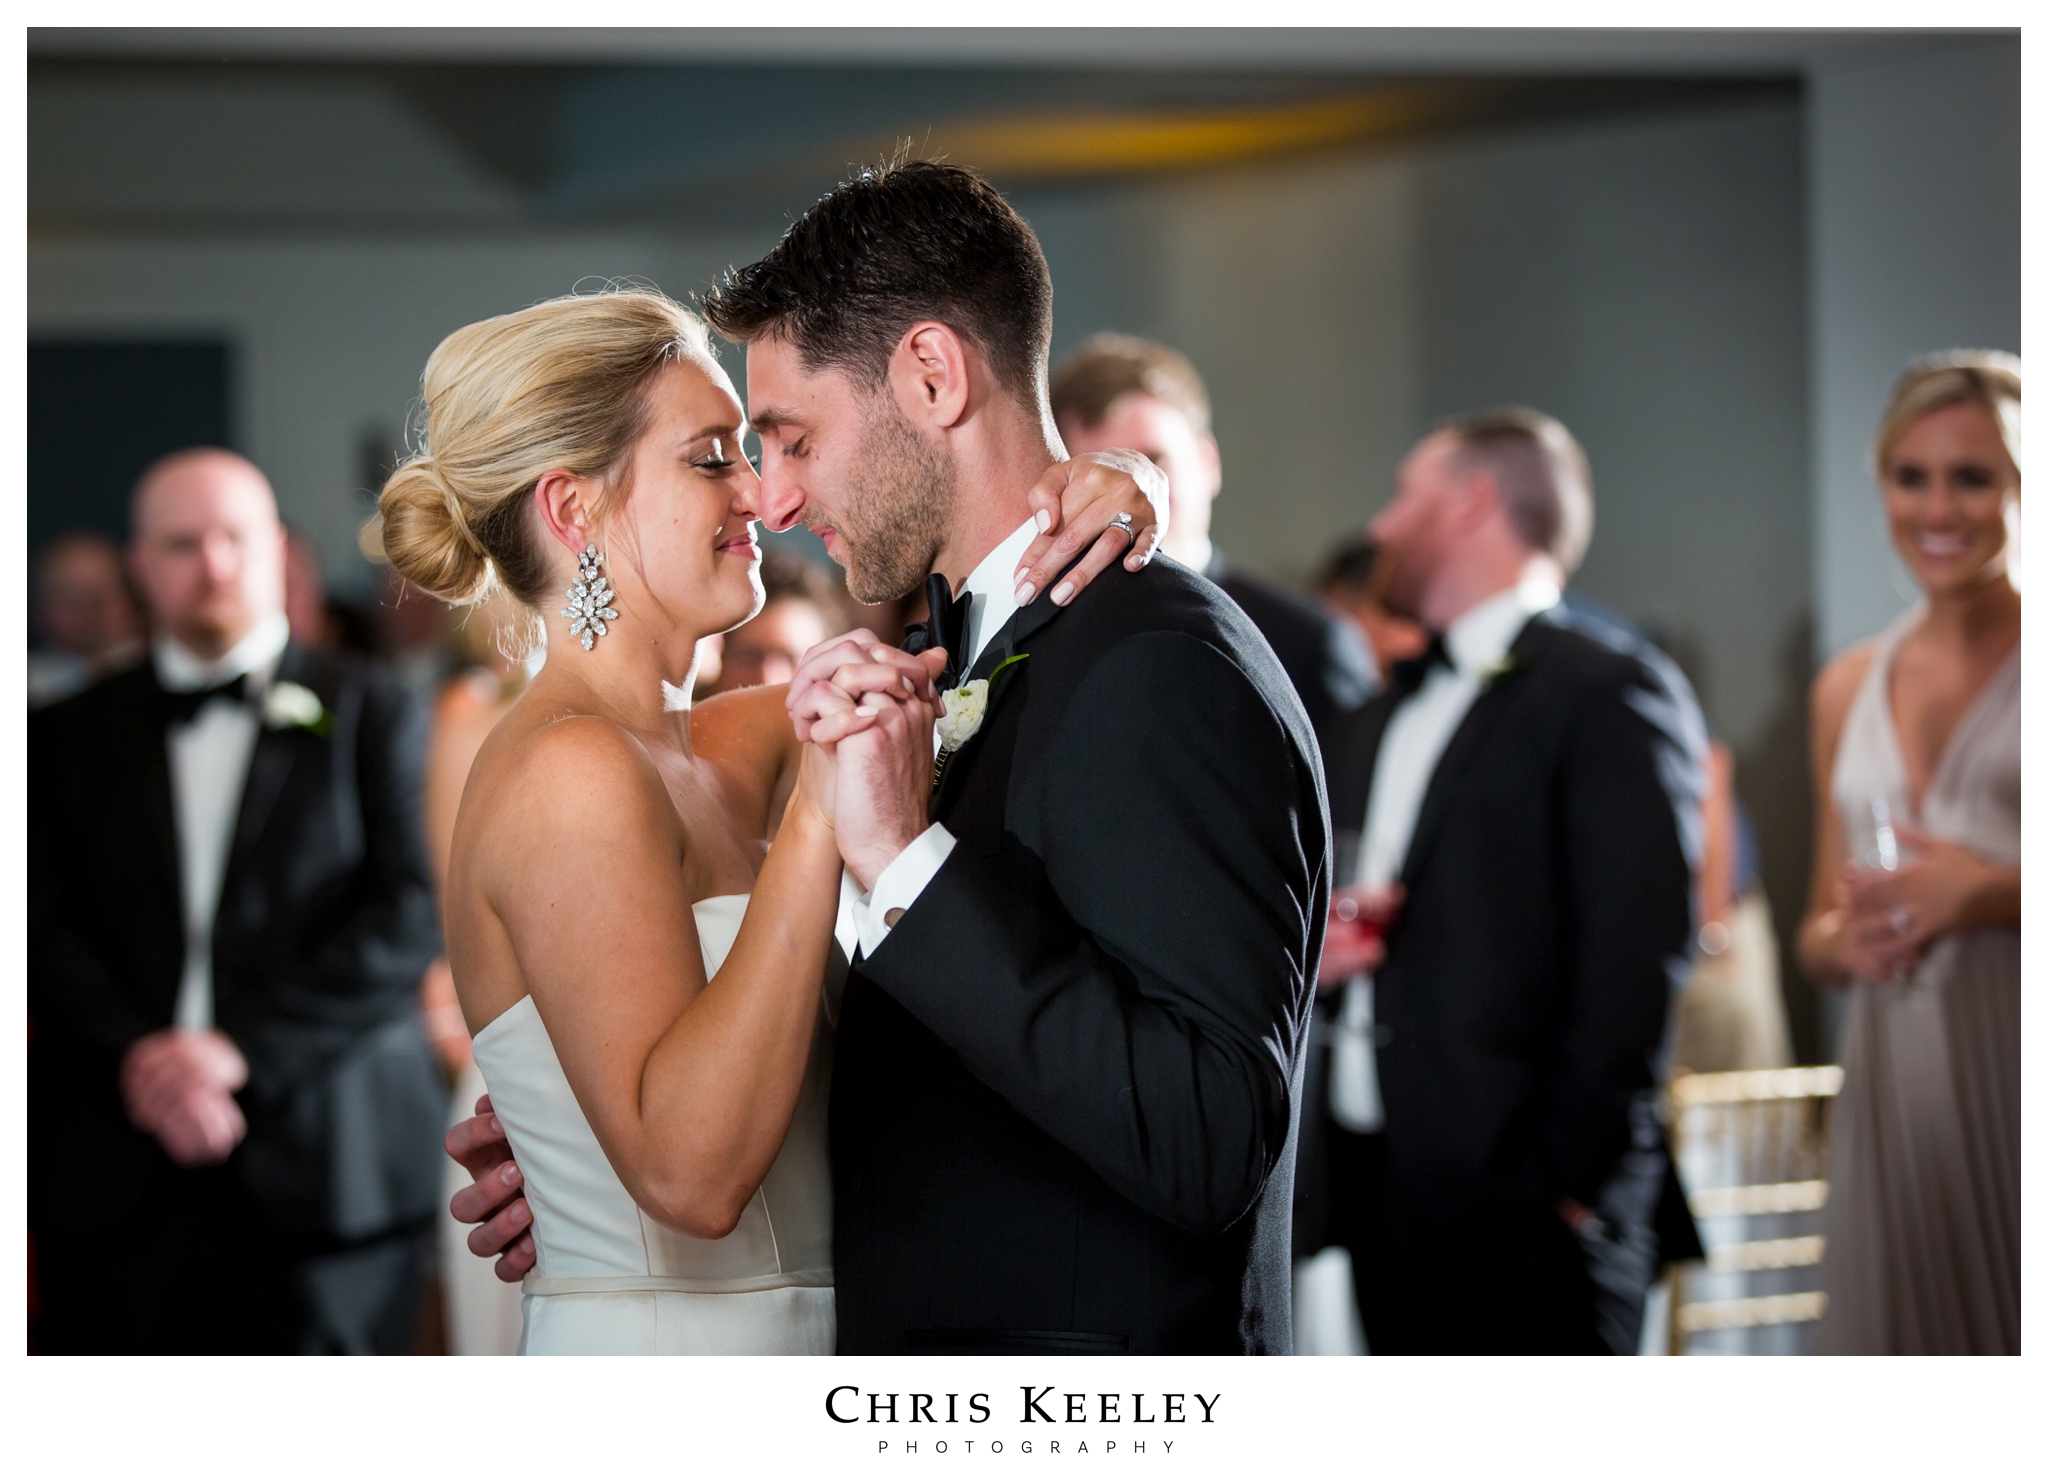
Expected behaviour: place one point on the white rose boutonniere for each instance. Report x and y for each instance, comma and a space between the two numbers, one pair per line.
293, 706
966, 707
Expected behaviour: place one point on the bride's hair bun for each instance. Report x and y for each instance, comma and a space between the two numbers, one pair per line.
562, 384
427, 535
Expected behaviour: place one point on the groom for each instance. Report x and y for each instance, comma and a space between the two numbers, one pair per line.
1084, 942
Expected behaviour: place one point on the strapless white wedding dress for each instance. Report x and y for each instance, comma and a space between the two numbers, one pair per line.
609, 1278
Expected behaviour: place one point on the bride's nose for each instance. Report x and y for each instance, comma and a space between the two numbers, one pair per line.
746, 491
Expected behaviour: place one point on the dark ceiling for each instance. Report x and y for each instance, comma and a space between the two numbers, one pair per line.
711, 145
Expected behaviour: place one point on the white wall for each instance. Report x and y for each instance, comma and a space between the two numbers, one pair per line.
1914, 161
1291, 287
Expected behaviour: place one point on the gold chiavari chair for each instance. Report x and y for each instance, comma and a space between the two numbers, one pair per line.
1752, 1151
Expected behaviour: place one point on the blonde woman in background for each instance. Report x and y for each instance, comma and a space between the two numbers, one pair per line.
1916, 891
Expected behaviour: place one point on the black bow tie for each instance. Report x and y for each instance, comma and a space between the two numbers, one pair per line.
945, 628
1410, 673
182, 706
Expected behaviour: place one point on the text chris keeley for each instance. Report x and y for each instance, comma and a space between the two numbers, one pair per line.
844, 1404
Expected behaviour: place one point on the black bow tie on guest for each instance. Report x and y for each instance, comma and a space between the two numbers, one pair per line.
945, 628
1410, 673
182, 706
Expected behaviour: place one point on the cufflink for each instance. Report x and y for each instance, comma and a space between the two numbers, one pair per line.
890, 917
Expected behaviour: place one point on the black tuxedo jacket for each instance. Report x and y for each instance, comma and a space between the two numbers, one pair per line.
1547, 925
325, 924
1327, 662
1066, 1085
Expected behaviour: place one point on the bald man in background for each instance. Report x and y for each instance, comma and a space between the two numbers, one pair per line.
234, 1117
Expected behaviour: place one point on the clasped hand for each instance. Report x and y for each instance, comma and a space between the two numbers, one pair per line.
179, 1085
871, 707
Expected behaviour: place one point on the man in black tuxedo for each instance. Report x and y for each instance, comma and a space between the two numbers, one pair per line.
1117, 390
233, 1113
1515, 926
1085, 939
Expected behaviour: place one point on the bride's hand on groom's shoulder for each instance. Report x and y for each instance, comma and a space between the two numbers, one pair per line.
1077, 504
494, 1200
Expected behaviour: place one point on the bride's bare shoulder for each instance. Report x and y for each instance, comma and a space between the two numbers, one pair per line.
542, 772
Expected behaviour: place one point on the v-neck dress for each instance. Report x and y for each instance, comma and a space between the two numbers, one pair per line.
1923, 1213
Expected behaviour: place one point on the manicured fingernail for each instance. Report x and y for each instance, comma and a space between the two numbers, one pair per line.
1044, 520
1025, 592
865, 710
1063, 593
520, 1212
879, 653
908, 686
510, 1174
496, 1127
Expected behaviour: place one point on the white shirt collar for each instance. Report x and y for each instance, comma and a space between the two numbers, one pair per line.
1482, 636
994, 587
179, 668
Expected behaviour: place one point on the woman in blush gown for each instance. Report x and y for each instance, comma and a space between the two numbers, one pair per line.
643, 975
1916, 888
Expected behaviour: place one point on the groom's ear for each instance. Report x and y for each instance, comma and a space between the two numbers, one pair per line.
930, 374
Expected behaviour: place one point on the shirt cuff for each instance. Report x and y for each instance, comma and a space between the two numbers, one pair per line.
898, 886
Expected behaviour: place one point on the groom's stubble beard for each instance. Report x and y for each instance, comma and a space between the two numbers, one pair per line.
898, 507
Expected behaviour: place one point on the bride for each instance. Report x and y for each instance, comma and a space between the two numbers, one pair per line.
644, 974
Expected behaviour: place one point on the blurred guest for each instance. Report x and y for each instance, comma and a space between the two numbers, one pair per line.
1350, 588
802, 608
305, 592
1119, 391
1916, 891
416, 636
317, 619
499, 650
1731, 1014
233, 1113
85, 615
1516, 922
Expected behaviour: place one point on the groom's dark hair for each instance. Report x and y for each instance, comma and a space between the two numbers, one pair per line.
898, 243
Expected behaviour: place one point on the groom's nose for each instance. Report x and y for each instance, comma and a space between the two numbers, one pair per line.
779, 501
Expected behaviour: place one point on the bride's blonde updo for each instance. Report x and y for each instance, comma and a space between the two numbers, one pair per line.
562, 384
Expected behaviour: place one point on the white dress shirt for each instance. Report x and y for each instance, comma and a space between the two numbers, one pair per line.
1415, 740
863, 917
209, 760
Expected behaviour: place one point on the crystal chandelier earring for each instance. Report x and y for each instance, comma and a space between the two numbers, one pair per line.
590, 599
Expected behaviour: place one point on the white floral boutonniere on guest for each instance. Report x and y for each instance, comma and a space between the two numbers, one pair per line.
967, 706
293, 706
1507, 663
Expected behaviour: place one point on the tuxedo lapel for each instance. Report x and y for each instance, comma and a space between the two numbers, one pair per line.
141, 752
1005, 645
1469, 742
270, 763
